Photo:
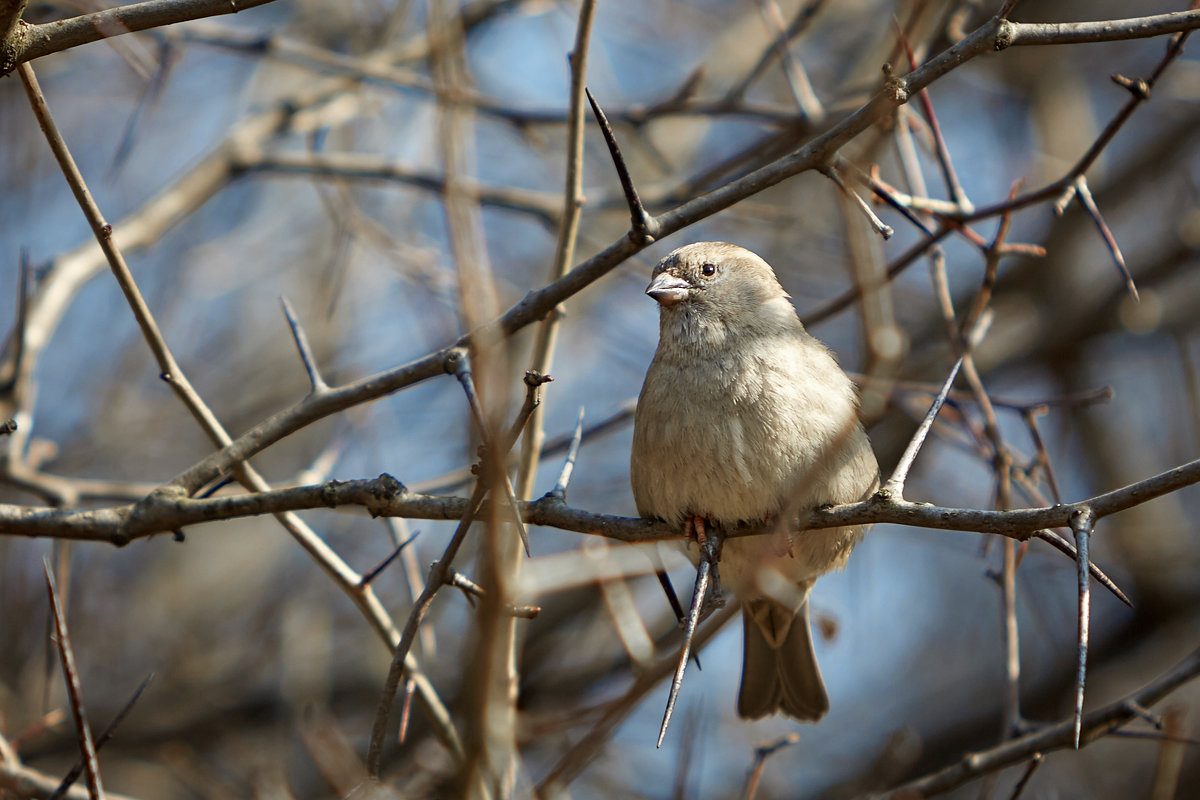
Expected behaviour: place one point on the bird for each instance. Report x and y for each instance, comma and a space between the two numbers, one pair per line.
744, 415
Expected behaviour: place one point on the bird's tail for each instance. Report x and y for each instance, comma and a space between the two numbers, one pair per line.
779, 668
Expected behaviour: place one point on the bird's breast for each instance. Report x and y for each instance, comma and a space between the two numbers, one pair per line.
719, 439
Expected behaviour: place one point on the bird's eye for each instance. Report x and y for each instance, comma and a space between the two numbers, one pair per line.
708, 270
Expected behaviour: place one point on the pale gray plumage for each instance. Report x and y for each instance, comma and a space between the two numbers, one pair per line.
741, 410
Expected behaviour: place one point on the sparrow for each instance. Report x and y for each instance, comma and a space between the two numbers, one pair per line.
742, 416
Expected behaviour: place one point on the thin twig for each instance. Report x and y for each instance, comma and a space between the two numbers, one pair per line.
1030, 416
306, 354
497, 456
9, 385
793, 70
77, 769
761, 754
1089, 204
564, 477
438, 574
1012, 642
564, 250
1101, 722
1019, 789
895, 484
534, 381
877, 224
374, 573
1062, 545
940, 148
83, 731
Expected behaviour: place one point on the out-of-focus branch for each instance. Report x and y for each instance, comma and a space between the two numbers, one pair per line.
367, 167
23, 781
83, 730
1014, 34
1056, 737
34, 41
564, 251
1139, 94
680, 103
337, 569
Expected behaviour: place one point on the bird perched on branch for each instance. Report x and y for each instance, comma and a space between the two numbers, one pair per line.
743, 416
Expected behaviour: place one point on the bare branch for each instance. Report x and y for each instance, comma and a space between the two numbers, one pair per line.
73, 774
1014, 34
564, 249
35, 41
1100, 722
83, 731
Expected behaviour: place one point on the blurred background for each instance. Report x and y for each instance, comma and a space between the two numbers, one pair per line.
296, 150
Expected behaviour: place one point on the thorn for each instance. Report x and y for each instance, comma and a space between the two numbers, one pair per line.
306, 354
644, 229
664, 580
1082, 523
564, 477
709, 553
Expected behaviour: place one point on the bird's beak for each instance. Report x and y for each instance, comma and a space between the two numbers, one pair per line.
668, 290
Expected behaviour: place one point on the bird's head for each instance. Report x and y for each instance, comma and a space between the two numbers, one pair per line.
714, 289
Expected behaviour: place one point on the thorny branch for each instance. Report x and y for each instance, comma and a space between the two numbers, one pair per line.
385, 496
173, 506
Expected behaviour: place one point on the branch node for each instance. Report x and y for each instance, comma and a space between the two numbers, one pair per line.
1004, 36
1136, 86
1137, 709
896, 89
455, 361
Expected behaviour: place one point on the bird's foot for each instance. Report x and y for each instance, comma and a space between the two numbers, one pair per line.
695, 529
708, 535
